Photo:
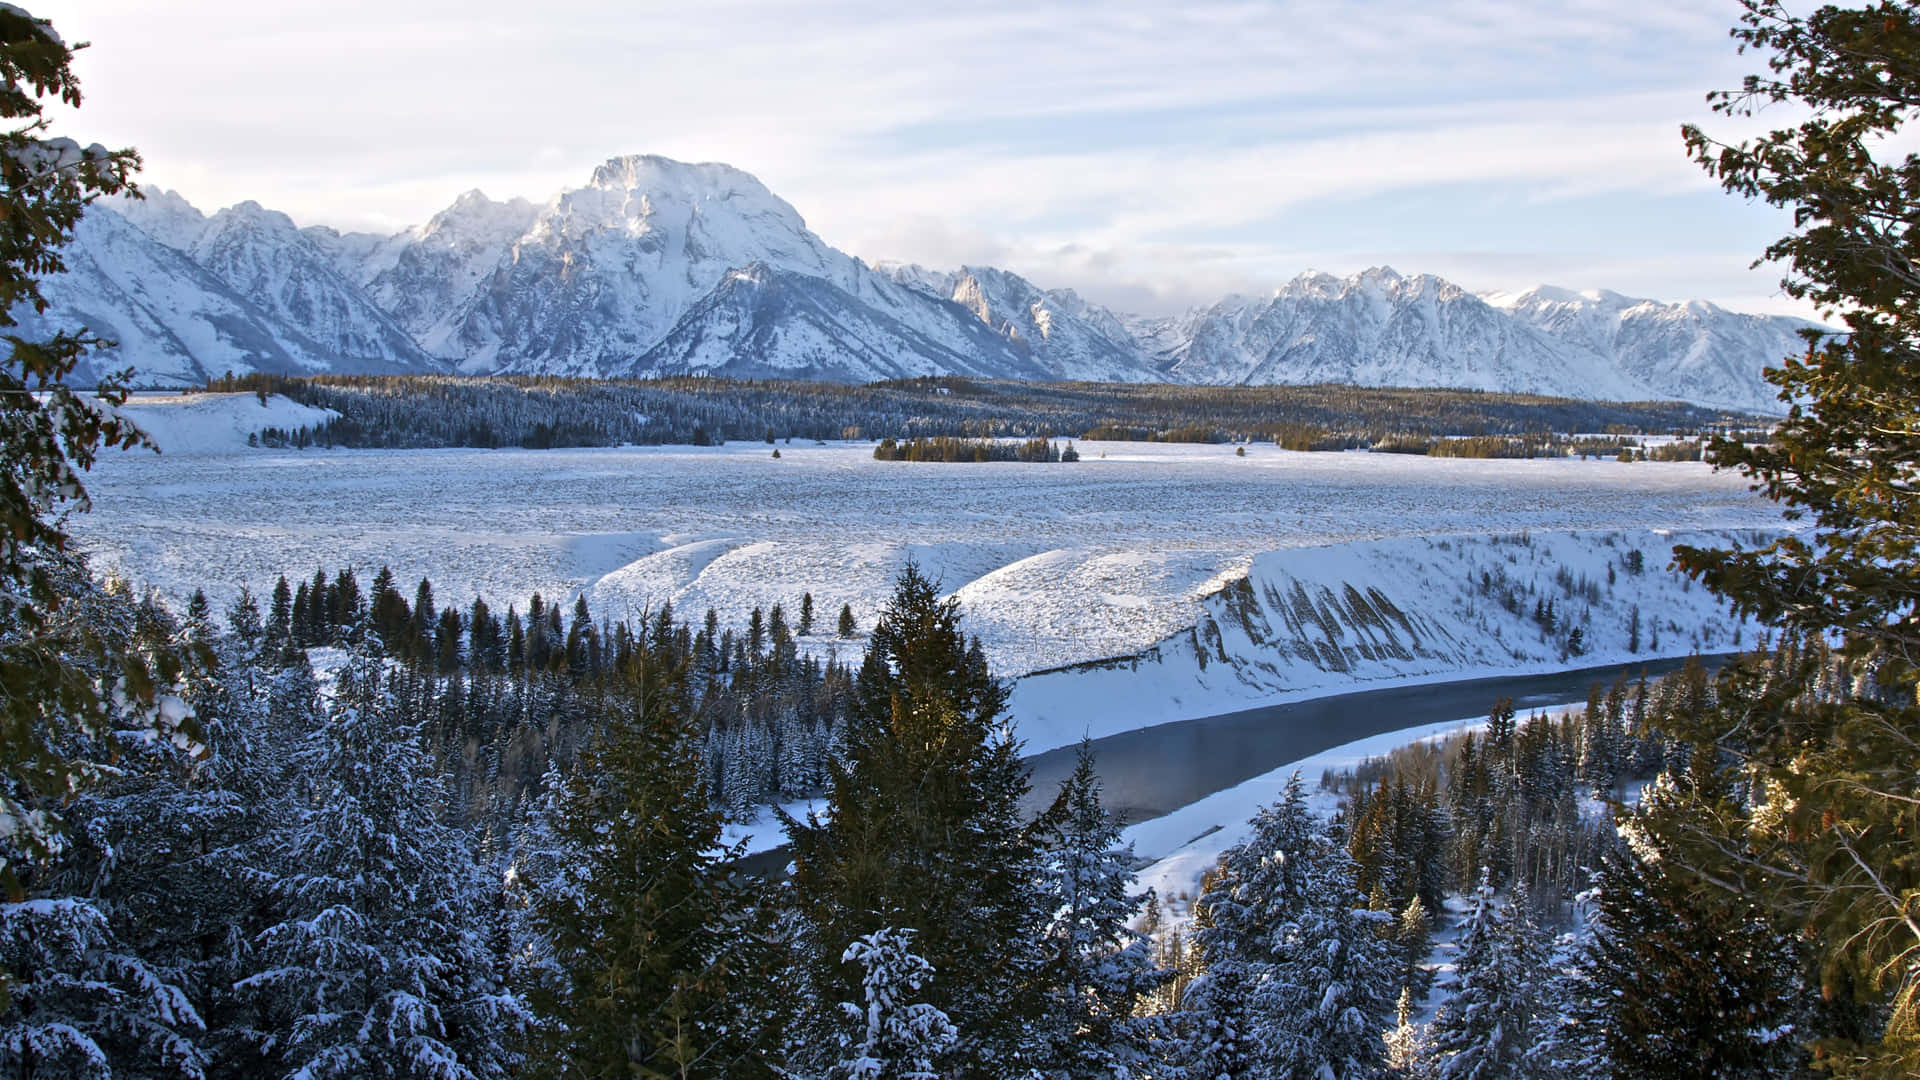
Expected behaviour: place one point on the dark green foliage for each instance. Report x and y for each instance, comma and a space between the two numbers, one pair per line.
50, 703
1682, 983
396, 412
1486, 1029
1824, 832
1102, 971
924, 832
662, 971
947, 448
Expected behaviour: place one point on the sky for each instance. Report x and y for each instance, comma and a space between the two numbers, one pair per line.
1151, 155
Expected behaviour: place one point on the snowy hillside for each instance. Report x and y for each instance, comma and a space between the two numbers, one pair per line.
1068, 338
1106, 557
1381, 329
215, 423
261, 255
1303, 621
655, 266
175, 322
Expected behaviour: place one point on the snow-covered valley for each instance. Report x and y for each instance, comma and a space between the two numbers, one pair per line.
1169, 581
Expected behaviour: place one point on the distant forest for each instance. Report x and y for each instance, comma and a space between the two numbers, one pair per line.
419, 412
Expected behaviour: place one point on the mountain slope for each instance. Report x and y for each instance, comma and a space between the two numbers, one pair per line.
1379, 328
173, 321
259, 254
660, 266
1696, 351
1067, 338
761, 322
606, 273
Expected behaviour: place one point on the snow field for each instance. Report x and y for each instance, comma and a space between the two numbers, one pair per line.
1054, 564
201, 424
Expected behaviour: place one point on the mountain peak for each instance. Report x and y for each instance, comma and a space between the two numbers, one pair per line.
653, 173
164, 215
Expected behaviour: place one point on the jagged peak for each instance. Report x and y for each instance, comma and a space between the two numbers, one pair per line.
474, 210
248, 213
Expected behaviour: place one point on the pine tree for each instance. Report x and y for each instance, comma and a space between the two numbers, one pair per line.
847, 627
1101, 969
658, 970
1680, 982
280, 617
56, 704
379, 968
1408, 1055
1836, 799
81, 1004
1282, 916
925, 832
1332, 985
1483, 1031
1260, 884
893, 1040
806, 614
1215, 1037
1412, 943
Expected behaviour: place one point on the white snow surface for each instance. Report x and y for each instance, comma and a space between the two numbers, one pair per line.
214, 424
1304, 621
1054, 564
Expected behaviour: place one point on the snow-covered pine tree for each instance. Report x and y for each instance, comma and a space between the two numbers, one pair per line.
891, 1039
1408, 1057
1101, 969
173, 843
925, 831
1483, 1032
55, 707
379, 967
1260, 884
82, 1005
1680, 982
1330, 994
1214, 1036
1281, 921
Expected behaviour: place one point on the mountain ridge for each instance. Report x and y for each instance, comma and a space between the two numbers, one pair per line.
655, 266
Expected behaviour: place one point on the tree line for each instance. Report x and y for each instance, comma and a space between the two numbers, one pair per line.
401, 412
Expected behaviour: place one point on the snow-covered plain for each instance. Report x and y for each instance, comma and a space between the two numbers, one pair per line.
202, 424
1054, 563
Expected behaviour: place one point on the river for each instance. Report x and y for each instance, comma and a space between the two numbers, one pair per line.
1151, 771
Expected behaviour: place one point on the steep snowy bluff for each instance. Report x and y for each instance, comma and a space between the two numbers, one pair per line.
1303, 622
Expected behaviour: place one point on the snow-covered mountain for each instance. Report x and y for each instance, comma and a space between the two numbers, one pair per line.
259, 254
1378, 328
175, 323
1068, 338
656, 266
1694, 351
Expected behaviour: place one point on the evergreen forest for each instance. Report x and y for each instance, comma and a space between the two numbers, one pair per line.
348, 832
